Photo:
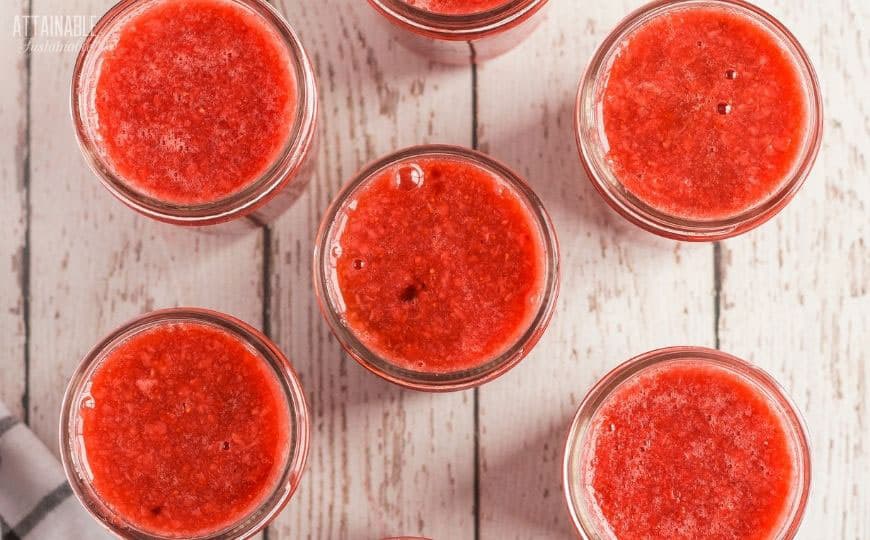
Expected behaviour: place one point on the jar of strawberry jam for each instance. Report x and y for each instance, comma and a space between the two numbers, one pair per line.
687, 442
196, 112
437, 268
184, 423
461, 31
699, 119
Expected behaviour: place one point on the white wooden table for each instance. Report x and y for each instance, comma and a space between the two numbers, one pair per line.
792, 296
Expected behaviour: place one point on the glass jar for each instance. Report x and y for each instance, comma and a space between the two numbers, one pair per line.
585, 515
462, 38
78, 396
328, 250
264, 197
594, 147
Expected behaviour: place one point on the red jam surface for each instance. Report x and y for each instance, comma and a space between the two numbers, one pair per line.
188, 430
441, 265
705, 113
195, 101
457, 7
687, 451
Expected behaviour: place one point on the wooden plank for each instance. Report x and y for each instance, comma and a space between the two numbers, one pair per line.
624, 291
95, 263
796, 293
384, 461
13, 194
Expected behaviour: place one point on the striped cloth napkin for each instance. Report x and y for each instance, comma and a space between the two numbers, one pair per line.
36, 502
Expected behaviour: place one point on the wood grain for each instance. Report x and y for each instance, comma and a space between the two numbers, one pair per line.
13, 209
384, 461
624, 291
96, 264
796, 292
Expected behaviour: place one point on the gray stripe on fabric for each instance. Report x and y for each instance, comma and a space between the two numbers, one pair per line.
42, 509
6, 532
7, 423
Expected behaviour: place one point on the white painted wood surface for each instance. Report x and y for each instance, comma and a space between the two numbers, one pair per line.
624, 291
384, 461
13, 208
796, 293
793, 296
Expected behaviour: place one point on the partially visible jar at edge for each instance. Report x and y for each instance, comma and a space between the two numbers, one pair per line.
461, 34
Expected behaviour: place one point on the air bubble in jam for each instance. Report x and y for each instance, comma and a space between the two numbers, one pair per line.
723, 108
731, 74
409, 177
359, 264
411, 292
336, 251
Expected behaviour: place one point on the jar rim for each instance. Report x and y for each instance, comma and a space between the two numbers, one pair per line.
325, 287
458, 27
790, 415
298, 414
588, 128
256, 193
